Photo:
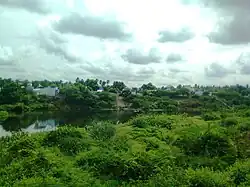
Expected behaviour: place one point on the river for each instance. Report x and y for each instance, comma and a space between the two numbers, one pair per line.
42, 121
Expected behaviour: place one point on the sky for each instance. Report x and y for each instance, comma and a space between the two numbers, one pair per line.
164, 42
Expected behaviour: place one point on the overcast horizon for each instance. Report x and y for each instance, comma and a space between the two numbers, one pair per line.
164, 42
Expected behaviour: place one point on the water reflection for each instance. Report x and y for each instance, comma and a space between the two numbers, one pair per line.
40, 126
38, 122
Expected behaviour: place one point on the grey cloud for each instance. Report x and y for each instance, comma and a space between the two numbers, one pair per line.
182, 35
54, 43
177, 70
6, 56
112, 72
92, 26
233, 21
36, 6
136, 56
232, 32
245, 69
217, 71
11, 62
227, 4
173, 58
244, 63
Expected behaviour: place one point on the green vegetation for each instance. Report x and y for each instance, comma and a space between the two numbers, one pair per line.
197, 140
148, 150
82, 95
3, 115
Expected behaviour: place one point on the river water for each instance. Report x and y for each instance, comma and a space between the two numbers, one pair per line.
43, 121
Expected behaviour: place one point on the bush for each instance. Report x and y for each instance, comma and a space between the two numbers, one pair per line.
229, 122
210, 144
18, 146
243, 145
3, 115
240, 173
206, 178
68, 139
210, 117
152, 120
244, 127
123, 167
101, 131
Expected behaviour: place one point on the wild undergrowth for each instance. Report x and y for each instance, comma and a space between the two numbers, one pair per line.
149, 150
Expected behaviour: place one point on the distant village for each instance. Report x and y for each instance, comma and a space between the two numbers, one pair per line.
53, 91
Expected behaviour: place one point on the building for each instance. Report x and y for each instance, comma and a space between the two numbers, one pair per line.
29, 87
48, 91
100, 89
198, 92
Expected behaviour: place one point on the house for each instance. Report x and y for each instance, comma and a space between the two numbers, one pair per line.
198, 92
48, 91
100, 89
29, 87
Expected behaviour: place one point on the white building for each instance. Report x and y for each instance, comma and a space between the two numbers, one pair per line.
48, 91
29, 87
100, 89
198, 92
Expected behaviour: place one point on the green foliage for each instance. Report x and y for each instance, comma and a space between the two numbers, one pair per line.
101, 131
206, 178
240, 173
152, 120
69, 139
3, 115
149, 150
210, 116
121, 166
229, 122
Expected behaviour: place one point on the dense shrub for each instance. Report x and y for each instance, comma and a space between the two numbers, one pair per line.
152, 120
3, 115
240, 173
242, 142
101, 131
210, 116
119, 166
229, 122
150, 151
206, 178
68, 139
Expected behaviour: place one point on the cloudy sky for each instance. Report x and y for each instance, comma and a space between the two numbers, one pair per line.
158, 41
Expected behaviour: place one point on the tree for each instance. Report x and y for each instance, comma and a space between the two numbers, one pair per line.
11, 93
148, 86
119, 86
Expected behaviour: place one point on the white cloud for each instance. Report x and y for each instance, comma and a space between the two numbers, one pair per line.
132, 41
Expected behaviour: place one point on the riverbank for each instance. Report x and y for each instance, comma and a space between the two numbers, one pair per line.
148, 150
